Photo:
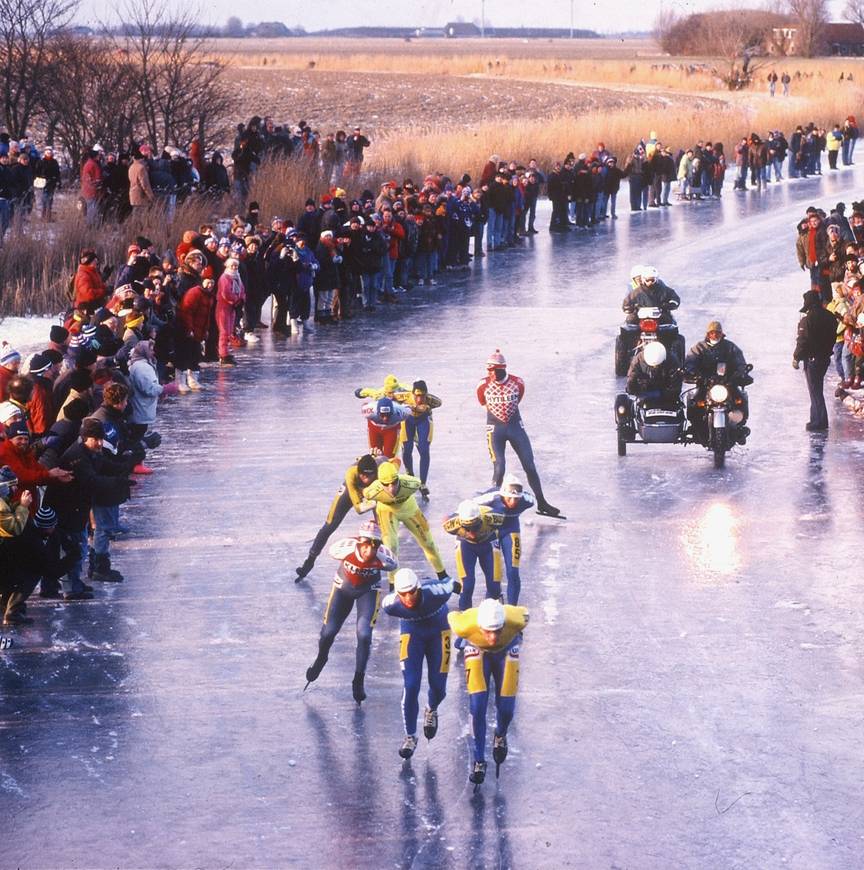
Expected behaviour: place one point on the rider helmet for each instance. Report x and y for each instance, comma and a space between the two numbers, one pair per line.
469, 512
405, 580
490, 615
511, 486
387, 473
654, 353
636, 273
649, 274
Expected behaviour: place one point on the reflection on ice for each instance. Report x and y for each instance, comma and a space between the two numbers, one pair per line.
711, 540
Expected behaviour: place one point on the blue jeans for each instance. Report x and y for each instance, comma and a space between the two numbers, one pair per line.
105, 521
493, 229
778, 169
70, 541
387, 271
600, 206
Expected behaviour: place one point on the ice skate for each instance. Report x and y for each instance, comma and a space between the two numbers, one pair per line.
357, 687
499, 752
430, 723
304, 569
409, 744
314, 670
478, 774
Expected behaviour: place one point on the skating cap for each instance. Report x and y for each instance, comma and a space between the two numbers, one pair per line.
714, 326
17, 428
405, 580
384, 407
511, 486
45, 518
387, 473
490, 615
469, 512
369, 531
390, 383
496, 360
8, 355
366, 464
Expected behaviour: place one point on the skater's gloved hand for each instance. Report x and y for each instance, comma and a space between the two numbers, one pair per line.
358, 393
795, 364
457, 585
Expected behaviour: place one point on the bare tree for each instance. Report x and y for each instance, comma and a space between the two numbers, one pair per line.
26, 32
810, 16
89, 95
737, 40
664, 22
180, 93
854, 11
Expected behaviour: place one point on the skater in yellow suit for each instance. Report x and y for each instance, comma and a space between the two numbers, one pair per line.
493, 635
393, 495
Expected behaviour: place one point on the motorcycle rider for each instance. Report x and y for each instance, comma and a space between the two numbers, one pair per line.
651, 292
701, 363
655, 373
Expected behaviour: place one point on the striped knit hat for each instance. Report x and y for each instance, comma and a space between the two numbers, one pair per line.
45, 518
8, 355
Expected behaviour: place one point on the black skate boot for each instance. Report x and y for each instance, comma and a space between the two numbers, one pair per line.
314, 670
357, 687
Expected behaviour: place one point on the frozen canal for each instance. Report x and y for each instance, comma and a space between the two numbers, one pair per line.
691, 690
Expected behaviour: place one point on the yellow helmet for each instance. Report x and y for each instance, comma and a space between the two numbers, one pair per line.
387, 473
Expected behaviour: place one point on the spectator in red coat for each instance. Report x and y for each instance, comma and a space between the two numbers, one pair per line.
17, 453
92, 185
230, 296
90, 291
191, 326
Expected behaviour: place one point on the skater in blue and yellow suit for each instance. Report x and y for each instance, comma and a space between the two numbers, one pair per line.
424, 635
418, 429
493, 633
511, 500
476, 528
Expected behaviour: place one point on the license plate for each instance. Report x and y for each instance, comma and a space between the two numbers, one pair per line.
659, 412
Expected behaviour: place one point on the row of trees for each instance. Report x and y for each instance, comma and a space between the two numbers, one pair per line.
153, 83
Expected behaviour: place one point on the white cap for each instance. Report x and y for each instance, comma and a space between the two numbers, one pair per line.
405, 580
469, 511
490, 615
510, 485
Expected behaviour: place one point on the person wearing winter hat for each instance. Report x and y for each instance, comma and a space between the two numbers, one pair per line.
95, 474
425, 635
18, 452
361, 560
230, 296
33, 557
89, 290
58, 338
43, 371
10, 362
350, 495
814, 347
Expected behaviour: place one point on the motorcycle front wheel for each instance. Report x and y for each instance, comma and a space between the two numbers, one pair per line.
719, 448
622, 357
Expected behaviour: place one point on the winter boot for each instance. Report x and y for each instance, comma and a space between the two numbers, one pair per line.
430, 723
227, 360
180, 380
192, 380
357, 687
295, 326
409, 744
102, 570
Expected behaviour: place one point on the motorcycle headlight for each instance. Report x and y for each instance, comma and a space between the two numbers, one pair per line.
718, 393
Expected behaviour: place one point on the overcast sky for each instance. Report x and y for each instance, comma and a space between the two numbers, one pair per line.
608, 16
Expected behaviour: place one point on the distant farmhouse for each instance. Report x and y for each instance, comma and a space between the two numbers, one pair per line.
844, 40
